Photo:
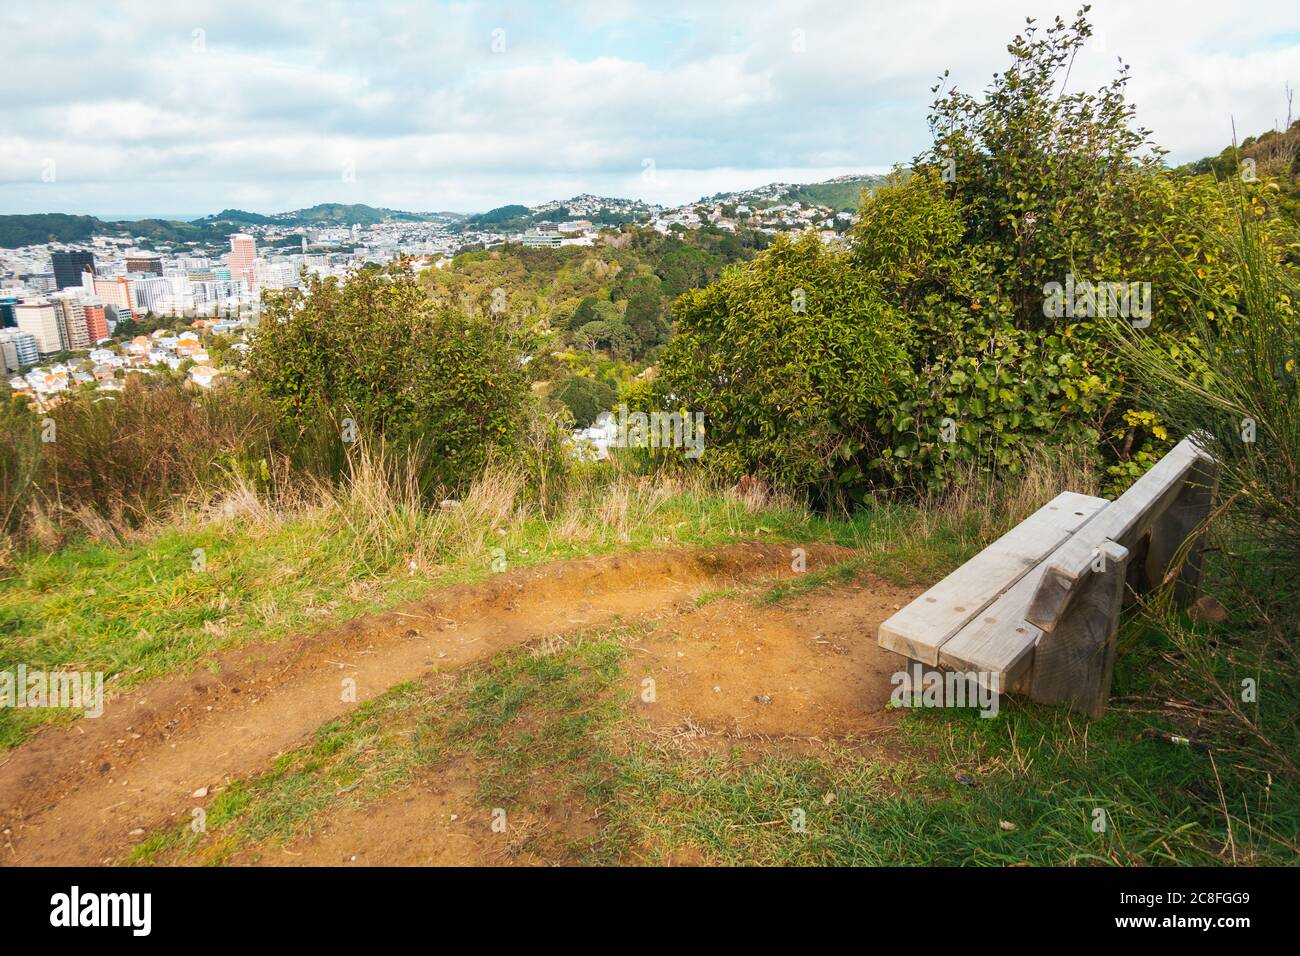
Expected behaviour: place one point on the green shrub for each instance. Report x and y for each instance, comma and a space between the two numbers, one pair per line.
374, 359
585, 397
789, 358
129, 458
20, 452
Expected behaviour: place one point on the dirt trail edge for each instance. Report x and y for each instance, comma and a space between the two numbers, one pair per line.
81, 794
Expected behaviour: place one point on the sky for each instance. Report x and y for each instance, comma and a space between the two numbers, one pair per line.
187, 108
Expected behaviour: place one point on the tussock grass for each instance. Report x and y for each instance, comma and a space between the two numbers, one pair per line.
281, 562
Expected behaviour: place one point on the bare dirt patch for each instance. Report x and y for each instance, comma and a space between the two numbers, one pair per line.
803, 671
83, 794
734, 673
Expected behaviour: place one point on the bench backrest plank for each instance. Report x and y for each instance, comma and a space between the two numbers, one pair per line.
1000, 642
1123, 521
921, 628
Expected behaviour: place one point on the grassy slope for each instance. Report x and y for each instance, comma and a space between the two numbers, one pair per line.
557, 726
138, 611
141, 610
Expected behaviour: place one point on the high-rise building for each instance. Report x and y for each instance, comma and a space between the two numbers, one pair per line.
114, 291
96, 322
275, 275
243, 250
18, 349
7, 320
68, 267
40, 319
72, 321
153, 294
145, 263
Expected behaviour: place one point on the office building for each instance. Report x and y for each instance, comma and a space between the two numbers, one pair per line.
243, 250
69, 266
149, 264
72, 321
17, 350
96, 322
114, 291
40, 319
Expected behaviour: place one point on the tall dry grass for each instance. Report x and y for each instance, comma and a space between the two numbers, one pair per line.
989, 504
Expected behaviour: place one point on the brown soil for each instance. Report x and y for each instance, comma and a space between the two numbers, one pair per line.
793, 673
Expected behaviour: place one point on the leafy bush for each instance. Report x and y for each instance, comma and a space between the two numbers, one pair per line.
1234, 381
789, 359
585, 398
20, 446
129, 458
427, 381
1025, 185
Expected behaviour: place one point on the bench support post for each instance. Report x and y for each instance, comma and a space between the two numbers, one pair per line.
1074, 663
1183, 516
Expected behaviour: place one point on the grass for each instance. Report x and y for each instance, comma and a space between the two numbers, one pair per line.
557, 725
240, 571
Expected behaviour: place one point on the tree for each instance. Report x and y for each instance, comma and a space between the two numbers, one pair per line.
445, 386
584, 313
644, 317
1034, 168
585, 398
789, 358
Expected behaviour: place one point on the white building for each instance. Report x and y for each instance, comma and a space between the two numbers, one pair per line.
40, 320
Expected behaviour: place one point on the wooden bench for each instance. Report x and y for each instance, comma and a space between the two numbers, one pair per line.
1037, 611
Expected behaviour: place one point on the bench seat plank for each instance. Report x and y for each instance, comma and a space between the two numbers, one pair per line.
1123, 521
1000, 642
920, 629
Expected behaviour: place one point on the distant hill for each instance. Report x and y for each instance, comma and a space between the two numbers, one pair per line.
236, 215
499, 216
322, 214
841, 194
36, 228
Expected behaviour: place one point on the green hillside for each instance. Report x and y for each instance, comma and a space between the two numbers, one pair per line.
28, 230
842, 196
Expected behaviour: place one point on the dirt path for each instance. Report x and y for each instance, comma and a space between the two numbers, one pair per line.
81, 794
732, 674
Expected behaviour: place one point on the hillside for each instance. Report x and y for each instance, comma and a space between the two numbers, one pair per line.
30, 230
841, 194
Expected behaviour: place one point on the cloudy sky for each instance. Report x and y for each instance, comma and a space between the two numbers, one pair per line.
186, 108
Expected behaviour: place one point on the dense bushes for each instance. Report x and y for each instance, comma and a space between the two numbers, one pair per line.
337, 367
125, 459
20, 446
1023, 187
789, 361
585, 397
114, 463
373, 359
1235, 383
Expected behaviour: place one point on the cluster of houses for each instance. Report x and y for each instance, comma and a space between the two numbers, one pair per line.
778, 217
105, 367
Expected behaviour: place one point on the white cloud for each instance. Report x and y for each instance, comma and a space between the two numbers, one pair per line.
152, 108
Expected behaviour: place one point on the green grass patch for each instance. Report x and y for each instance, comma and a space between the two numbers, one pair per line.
838, 573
